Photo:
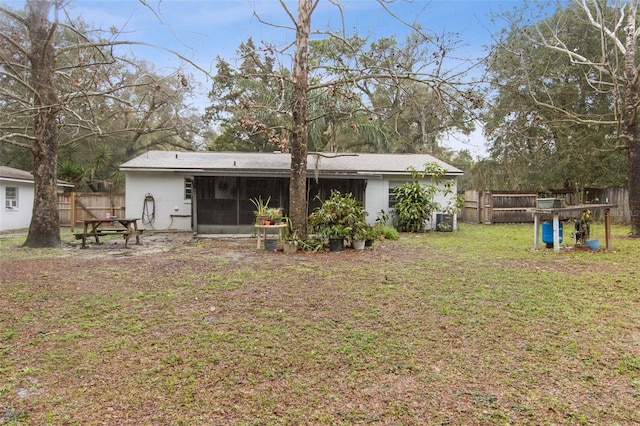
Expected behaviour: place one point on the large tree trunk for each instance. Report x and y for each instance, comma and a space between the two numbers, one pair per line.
44, 230
630, 120
634, 185
298, 182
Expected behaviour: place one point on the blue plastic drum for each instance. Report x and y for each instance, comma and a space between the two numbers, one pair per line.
547, 232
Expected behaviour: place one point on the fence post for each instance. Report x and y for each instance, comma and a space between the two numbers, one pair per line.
487, 207
72, 211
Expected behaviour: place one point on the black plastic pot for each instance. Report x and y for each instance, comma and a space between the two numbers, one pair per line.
336, 244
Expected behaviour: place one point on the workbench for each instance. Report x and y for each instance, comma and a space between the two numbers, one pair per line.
568, 211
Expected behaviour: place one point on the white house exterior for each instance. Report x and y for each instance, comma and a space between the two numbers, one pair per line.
210, 192
16, 198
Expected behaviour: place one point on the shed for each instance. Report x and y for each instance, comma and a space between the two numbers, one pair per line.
17, 190
210, 192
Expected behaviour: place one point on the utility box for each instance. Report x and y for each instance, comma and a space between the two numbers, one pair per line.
444, 222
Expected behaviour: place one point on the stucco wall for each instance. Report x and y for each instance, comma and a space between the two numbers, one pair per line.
172, 211
376, 198
16, 218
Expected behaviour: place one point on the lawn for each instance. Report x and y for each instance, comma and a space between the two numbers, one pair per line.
466, 328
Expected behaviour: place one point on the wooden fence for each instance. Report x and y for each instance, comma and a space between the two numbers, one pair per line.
480, 206
511, 206
74, 207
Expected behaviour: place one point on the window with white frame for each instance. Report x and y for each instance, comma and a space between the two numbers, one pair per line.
11, 197
188, 186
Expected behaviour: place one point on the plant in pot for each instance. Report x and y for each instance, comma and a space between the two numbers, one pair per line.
337, 217
336, 234
290, 239
360, 233
275, 215
261, 210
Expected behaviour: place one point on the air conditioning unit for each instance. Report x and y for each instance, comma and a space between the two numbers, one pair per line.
444, 222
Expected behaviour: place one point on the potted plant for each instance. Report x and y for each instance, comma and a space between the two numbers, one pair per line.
290, 239
361, 232
336, 235
262, 210
275, 215
372, 234
337, 218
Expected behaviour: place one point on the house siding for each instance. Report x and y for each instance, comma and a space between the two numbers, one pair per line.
172, 211
20, 217
376, 198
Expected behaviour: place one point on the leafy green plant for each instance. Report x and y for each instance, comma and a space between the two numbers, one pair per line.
336, 231
339, 216
416, 200
383, 217
415, 206
361, 231
261, 206
386, 232
443, 227
274, 214
288, 235
311, 244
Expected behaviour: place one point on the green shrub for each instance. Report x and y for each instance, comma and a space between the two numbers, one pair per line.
416, 201
339, 216
385, 231
415, 205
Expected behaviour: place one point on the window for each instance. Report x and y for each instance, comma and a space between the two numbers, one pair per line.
11, 197
392, 197
188, 186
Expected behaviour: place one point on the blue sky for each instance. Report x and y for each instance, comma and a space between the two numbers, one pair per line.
204, 29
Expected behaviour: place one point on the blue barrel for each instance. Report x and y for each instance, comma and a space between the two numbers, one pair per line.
547, 232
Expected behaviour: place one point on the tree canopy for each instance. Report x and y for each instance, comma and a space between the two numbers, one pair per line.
364, 96
64, 89
531, 140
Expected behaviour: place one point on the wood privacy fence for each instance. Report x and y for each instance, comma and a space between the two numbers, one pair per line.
511, 206
74, 207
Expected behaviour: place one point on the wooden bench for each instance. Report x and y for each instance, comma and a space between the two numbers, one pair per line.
84, 235
137, 233
102, 232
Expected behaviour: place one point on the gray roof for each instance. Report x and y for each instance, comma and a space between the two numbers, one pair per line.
209, 162
17, 175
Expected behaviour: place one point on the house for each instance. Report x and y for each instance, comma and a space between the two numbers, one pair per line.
211, 192
17, 194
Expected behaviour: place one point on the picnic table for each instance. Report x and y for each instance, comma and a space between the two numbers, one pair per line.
96, 228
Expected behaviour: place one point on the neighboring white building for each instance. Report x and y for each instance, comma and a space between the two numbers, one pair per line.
16, 198
210, 192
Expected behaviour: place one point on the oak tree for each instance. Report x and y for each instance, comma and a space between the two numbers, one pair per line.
65, 84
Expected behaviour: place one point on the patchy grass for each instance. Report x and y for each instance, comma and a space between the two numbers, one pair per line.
473, 327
